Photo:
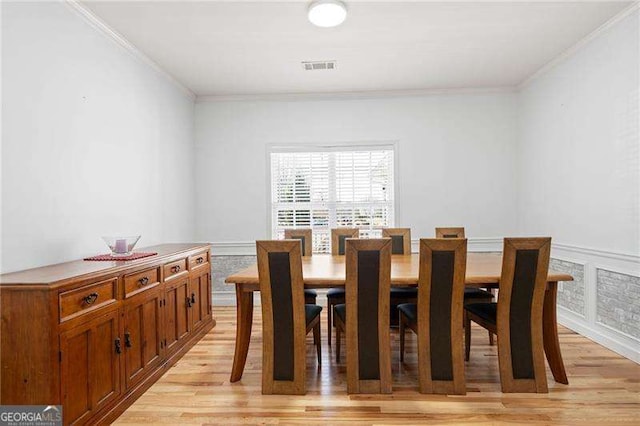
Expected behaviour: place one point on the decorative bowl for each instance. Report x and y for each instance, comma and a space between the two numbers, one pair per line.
121, 246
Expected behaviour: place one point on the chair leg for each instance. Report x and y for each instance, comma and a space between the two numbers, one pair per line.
401, 326
316, 340
490, 338
337, 345
467, 337
329, 313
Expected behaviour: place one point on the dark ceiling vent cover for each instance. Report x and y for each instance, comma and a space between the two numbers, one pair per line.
319, 65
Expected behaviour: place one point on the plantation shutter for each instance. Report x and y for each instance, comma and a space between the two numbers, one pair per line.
332, 188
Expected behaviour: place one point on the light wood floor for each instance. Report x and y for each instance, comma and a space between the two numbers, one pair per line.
604, 388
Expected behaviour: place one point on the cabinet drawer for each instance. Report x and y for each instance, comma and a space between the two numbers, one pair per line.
88, 298
141, 281
198, 259
175, 268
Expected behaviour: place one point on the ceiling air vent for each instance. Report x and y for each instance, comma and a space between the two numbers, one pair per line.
319, 65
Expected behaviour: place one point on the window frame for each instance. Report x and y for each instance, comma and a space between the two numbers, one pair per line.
332, 146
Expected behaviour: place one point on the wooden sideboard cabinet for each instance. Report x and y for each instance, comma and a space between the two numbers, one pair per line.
93, 336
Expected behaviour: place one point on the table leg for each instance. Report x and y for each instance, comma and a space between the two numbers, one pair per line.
244, 316
550, 334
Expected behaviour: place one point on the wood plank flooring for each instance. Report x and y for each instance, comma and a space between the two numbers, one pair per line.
604, 389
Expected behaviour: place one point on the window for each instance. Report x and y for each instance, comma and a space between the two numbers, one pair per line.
324, 188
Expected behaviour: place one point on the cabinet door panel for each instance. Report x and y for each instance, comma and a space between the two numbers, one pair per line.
151, 320
76, 360
90, 367
106, 377
132, 338
200, 298
142, 334
205, 295
177, 325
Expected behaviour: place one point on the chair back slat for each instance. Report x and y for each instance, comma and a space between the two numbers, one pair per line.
368, 295
440, 306
283, 316
368, 277
525, 265
282, 309
520, 313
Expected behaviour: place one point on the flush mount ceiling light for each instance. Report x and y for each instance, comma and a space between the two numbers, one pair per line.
327, 13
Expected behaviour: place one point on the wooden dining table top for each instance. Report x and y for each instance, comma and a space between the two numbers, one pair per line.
324, 270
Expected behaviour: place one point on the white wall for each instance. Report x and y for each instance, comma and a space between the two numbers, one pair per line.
579, 172
456, 158
579, 148
94, 141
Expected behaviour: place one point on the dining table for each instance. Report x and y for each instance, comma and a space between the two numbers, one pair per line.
322, 271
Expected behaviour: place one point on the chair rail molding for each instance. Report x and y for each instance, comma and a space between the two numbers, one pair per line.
248, 248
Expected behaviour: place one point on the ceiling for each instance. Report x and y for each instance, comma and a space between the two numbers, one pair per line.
242, 48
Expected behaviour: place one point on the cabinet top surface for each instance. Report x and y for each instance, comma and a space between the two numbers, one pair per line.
84, 269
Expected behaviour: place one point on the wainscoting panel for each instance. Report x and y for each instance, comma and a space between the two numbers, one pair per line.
605, 307
618, 301
221, 268
571, 293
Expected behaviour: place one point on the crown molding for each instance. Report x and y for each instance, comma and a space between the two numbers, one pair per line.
575, 48
105, 29
373, 94
110, 33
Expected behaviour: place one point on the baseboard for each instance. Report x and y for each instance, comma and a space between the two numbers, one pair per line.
624, 345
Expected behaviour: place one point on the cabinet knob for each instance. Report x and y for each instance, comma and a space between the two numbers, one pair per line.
127, 340
193, 298
175, 269
199, 260
90, 299
143, 281
118, 346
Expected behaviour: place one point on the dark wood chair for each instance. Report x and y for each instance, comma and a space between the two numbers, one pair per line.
517, 317
437, 317
305, 235
286, 320
400, 239
451, 232
400, 245
471, 294
336, 296
339, 237
365, 316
